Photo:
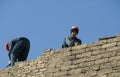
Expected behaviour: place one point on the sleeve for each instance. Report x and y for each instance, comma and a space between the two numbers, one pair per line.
64, 45
11, 45
80, 41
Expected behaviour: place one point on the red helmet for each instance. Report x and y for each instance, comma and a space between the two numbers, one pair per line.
75, 28
7, 46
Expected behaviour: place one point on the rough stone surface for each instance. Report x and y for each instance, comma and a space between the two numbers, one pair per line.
97, 59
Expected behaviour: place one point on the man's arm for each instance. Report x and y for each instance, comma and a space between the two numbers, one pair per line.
64, 44
78, 42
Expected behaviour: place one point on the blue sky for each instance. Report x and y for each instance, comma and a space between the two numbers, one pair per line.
47, 22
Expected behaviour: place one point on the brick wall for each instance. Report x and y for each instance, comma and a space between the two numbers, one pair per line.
96, 59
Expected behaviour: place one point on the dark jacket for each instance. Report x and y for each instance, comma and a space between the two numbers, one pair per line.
18, 49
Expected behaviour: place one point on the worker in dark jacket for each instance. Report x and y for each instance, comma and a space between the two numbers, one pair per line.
18, 50
72, 40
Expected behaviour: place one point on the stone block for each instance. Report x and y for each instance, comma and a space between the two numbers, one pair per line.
116, 48
78, 61
86, 64
118, 43
113, 40
101, 61
40, 66
60, 74
116, 58
83, 46
109, 45
78, 51
74, 72
95, 68
106, 65
67, 68
96, 48
106, 37
83, 55
100, 42
117, 74
98, 52
104, 71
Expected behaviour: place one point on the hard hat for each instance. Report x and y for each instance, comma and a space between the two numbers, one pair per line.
7, 46
75, 28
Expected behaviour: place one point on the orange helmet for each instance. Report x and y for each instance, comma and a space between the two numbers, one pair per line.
75, 28
7, 46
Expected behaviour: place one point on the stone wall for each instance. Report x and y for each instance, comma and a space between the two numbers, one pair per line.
97, 59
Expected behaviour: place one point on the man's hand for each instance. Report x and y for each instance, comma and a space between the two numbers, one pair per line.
9, 64
77, 43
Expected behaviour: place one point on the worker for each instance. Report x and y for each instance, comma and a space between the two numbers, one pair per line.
72, 40
18, 50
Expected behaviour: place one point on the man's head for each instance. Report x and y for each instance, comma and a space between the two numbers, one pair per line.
7, 46
74, 30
